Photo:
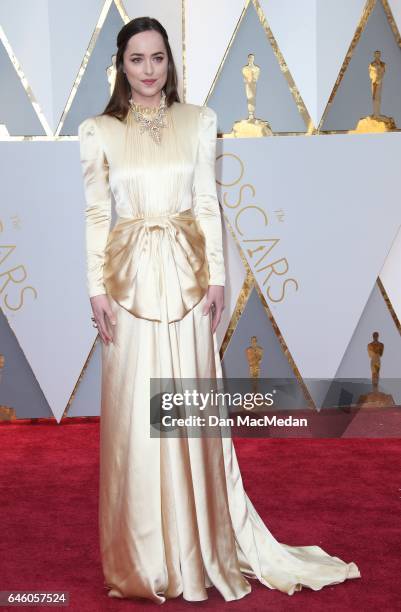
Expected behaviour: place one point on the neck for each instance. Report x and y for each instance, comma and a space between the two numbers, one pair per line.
146, 101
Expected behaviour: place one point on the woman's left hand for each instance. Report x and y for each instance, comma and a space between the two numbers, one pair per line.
215, 302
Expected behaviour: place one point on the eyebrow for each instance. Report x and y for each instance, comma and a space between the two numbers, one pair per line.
157, 53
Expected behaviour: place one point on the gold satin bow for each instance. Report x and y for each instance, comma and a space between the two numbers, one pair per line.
156, 266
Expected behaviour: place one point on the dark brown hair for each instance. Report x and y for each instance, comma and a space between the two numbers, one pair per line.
118, 104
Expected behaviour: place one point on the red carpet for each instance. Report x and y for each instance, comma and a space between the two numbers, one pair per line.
343, 495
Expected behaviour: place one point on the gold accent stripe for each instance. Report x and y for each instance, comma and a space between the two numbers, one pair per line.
286, 351
275, 134
184, 51
49, 138
84, 63
122, 10
80, 377
125, 17
303, 111
370, 4
226, 51
241, 302
249, 283
389, 304
28, 90
392, 22
243, 296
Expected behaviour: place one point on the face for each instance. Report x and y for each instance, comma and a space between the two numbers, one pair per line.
145, 65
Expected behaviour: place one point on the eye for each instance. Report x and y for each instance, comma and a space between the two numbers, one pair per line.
136, 60
159, 58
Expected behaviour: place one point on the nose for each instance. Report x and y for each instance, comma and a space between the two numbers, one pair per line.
148, 66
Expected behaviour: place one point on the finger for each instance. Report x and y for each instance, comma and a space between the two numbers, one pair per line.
206, 308
102, 335
213, 310
103, 339
103, 329
216, 320
109, 326
111, 316
99, 320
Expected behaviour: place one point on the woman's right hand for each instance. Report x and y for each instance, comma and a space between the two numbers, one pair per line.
104, 317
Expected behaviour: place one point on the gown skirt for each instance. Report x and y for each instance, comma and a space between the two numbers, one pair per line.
174, 517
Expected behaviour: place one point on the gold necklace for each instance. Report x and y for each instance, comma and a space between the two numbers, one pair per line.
152, 124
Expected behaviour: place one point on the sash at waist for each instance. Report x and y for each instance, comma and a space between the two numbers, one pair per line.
156, 267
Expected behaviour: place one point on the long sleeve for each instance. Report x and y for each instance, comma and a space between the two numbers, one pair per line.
205, 200
95, 172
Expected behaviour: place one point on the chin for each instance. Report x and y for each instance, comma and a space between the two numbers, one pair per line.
148, 92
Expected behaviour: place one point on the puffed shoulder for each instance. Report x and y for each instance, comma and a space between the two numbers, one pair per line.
89, 138
208, 116
207, 126
87, 127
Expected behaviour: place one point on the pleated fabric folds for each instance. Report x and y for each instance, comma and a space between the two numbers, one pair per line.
174, 516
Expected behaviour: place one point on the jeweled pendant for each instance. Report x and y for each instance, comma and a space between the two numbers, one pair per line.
151, 124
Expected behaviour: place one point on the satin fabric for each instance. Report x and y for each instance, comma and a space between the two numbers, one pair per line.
174, 517
148, 180
147, 257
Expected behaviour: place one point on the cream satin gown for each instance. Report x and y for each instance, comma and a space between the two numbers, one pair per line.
173, 514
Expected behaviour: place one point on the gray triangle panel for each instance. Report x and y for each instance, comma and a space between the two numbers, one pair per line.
274, 101
93, 91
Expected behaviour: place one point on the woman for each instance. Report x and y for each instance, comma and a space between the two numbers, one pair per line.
173, 515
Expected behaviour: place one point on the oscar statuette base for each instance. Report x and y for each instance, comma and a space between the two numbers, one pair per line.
374, 123
250, 128
375, 399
